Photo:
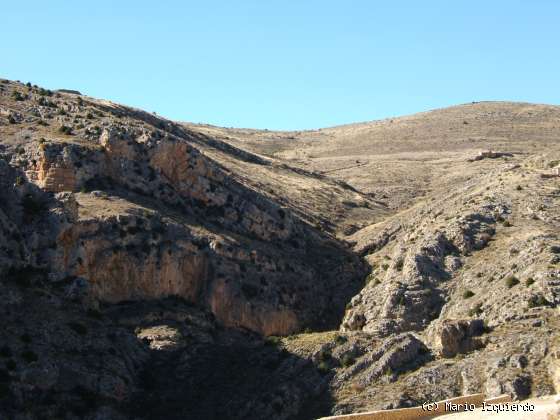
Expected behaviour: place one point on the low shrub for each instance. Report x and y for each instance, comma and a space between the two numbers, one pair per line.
511, 281
537, 300
475, 310
347, 360
325, 355
64, 129
16, 95
323, 367
340, 339
272, 340
468, 294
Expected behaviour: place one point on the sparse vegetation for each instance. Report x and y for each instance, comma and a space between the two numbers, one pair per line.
485, 237
45, 92
511, 281
340, 339
64, 129
325, 355
323, 367
272, 340
536, 301
347, 360
467, 294
18, 96
476, 310
529, 281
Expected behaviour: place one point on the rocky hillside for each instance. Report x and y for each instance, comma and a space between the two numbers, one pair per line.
152, 269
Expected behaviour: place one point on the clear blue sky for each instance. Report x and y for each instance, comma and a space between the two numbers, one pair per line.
287, 64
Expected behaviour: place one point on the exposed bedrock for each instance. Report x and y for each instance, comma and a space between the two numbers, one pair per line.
409, 288
221, 244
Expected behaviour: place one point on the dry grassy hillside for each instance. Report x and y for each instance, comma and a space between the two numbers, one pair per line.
401, 159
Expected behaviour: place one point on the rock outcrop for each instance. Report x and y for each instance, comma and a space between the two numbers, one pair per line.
458, 336
222, 244
415, 278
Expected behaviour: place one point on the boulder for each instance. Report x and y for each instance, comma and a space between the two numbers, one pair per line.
456, 336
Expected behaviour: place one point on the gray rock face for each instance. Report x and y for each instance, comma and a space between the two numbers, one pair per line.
386, 362
402, 353
516, 385
416, 284
227, 247
457, 336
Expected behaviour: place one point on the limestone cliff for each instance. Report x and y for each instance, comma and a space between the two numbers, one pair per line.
156, 218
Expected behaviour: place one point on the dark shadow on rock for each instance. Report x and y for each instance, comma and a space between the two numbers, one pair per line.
219, 373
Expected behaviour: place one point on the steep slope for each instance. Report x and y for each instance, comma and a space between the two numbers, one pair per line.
103, 205
170, 219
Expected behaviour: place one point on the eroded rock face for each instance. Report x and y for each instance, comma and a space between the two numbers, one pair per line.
225, 247
416, 276
457, 336
399, 354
